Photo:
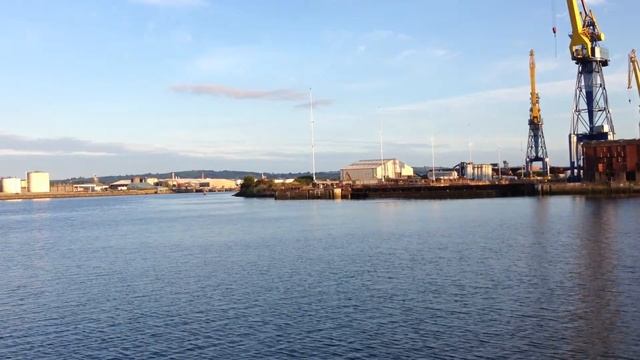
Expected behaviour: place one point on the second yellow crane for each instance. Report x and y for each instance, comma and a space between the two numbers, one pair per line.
536, 146
634, 72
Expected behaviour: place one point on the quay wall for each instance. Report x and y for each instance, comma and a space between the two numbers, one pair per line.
58, 195
451, 191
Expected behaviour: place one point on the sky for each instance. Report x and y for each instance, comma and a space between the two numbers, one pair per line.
110, 87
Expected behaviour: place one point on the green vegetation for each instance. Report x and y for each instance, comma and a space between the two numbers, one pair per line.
304, 180
267, 188
256, 188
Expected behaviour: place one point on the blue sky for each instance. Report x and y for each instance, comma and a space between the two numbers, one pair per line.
130, 86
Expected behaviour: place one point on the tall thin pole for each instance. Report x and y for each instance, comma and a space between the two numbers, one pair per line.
313, 140
499, 162
433, 161
469, 141
381, 152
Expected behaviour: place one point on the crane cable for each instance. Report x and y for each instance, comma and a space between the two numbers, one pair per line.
554, 28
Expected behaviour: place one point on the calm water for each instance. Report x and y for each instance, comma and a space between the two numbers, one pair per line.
192, 276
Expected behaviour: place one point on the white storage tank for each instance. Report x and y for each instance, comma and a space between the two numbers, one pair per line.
482, 172
38, 182
11, 186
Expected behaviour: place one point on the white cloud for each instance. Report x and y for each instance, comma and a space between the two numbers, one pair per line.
240, 94
248, 94
17, 152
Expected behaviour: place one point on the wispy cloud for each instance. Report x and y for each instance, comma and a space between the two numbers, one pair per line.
316, 103
247, 94
15, 152
240, 94
171, 3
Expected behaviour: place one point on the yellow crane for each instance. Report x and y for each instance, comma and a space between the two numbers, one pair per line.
591, 119
534, 115
536, 147
585, 33
634, 71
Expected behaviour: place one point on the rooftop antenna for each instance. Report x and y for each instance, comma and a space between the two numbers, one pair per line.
313, 141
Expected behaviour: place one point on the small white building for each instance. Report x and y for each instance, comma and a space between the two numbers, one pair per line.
373, 171
120, 185
89, 187
442, 174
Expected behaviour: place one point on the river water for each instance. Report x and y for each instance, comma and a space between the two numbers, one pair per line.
192, 276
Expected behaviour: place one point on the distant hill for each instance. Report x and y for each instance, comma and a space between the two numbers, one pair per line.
213, 174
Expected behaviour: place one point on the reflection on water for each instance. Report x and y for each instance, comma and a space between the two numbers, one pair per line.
596, 312
214, 276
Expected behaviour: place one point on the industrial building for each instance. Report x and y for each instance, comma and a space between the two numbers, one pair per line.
373, 171
38, 182
611, 161
120, 184
204, 184
11, 186
471, 171
89, 187
442, 174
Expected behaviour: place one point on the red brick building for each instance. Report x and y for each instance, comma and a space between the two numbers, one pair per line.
611, 161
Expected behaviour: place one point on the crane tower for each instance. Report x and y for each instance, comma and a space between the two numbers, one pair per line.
591, 117
536, 147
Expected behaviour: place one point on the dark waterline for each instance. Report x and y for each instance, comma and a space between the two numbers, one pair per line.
192, 276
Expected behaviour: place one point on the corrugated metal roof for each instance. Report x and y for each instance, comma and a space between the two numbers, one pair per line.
122, 182
368, 164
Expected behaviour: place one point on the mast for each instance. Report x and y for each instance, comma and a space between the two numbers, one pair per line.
381, 152
313, 141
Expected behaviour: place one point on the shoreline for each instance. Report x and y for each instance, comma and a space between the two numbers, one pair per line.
386, 191
67, 195
448, 191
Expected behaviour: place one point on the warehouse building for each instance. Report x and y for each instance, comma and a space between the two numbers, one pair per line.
611, 161
120, 184
373, 171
